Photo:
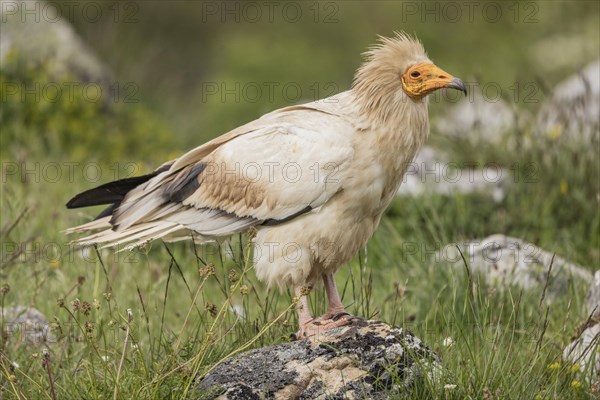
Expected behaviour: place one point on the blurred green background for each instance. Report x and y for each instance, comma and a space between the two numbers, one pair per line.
175, 50
176, 74
203, 68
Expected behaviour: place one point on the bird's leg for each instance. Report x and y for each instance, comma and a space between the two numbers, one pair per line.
304, 316
336, 314
335, 307
305, 319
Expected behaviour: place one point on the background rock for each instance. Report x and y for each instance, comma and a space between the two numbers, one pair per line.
432, 172
25, 324
593, 297
46, 36
585, 351
478, 119
368, 359
505, 261
574, 110
585, 348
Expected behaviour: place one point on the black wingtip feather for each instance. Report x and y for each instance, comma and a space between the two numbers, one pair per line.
95, 197
109, 193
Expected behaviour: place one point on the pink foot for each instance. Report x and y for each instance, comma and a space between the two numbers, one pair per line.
316, 326
333, 315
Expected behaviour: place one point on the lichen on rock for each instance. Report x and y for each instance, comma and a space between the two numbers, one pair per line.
368, 359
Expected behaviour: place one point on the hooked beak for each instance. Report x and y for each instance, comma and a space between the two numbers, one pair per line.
458, 84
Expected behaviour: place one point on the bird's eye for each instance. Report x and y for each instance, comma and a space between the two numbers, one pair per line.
415, 74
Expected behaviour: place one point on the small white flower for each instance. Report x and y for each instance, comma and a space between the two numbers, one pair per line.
448, 342
449, 386
237, 310
105, 358
134, 346
15, 365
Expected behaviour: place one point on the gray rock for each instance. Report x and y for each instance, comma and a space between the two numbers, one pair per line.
25, 325
585, 348
432, 172
504, 261
593, 297
574, 110
44, 34
585, 351
478, 119
368, 359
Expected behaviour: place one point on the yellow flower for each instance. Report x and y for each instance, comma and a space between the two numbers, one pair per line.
554, 366
564, 187
575, 384
575, 368
555, 132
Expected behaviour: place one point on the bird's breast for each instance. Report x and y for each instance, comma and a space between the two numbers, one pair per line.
378, 171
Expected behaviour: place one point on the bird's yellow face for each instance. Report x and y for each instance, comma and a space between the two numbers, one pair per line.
422, 79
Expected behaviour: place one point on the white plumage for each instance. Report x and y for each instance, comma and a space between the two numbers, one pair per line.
313, 179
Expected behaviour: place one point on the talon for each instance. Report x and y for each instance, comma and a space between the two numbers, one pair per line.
340, 315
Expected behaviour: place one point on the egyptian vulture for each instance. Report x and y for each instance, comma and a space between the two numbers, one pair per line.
311, 180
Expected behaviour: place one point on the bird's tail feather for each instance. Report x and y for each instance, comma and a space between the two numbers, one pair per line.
141, 212
96, 224
132, 237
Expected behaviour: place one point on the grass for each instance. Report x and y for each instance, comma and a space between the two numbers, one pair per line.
143, 324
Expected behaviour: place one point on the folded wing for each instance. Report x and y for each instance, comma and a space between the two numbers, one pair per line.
267, 172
